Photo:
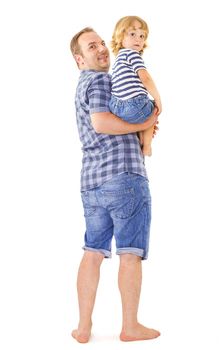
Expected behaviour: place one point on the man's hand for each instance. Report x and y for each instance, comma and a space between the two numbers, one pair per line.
152, 120
156, 128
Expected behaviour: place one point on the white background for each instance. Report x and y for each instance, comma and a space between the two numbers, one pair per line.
41, 220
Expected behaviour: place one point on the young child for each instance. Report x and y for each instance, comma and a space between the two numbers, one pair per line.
131, 82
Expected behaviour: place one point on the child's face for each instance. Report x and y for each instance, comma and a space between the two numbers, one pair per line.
134, 37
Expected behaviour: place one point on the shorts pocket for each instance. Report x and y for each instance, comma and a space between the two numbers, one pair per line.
120, 203
88, 208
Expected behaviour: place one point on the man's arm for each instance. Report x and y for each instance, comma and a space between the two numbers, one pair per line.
108, 123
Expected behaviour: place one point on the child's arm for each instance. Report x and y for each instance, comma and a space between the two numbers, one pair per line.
149, 84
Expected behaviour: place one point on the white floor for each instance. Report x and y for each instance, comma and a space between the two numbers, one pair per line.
41, 215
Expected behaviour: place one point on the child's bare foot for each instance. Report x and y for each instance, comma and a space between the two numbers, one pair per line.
139, 333
81, 337
147, 151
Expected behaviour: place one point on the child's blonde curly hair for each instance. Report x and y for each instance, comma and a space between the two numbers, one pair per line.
121, 26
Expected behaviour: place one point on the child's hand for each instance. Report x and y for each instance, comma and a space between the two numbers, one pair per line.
159, 106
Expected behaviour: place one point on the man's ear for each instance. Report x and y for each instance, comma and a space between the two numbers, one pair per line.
79, 60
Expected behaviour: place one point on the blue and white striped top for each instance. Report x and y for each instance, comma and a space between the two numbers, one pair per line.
125, 81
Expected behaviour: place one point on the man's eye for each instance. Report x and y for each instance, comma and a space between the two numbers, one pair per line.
103, 43
92, 47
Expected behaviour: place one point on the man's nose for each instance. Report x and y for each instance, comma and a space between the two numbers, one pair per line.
101, 48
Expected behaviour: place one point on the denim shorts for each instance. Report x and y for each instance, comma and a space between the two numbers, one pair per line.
119, 208
134, 110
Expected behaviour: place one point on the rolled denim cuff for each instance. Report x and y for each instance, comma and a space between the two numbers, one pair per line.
106, 253
132, 250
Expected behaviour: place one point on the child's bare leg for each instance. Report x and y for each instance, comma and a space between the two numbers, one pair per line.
140, 137
147, 139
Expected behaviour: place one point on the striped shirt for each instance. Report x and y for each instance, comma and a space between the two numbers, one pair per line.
104, 156
125, 80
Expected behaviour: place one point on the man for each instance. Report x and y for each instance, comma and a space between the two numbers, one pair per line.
114, 189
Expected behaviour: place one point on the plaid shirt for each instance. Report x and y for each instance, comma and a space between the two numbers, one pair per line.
104, 156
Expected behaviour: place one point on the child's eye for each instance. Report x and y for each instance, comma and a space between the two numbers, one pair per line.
132, 34
142, 36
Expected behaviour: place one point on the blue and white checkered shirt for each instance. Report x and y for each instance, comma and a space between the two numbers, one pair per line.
104, 156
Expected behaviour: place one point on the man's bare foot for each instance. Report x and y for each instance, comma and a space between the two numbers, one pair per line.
81, 337
139, 333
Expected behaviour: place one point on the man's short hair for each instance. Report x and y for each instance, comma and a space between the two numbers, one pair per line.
74, 46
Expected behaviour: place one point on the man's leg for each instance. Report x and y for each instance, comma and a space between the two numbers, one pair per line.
130, 278
87, 283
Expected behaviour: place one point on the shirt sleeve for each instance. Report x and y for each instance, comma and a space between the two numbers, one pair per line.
135, 59
99, 93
